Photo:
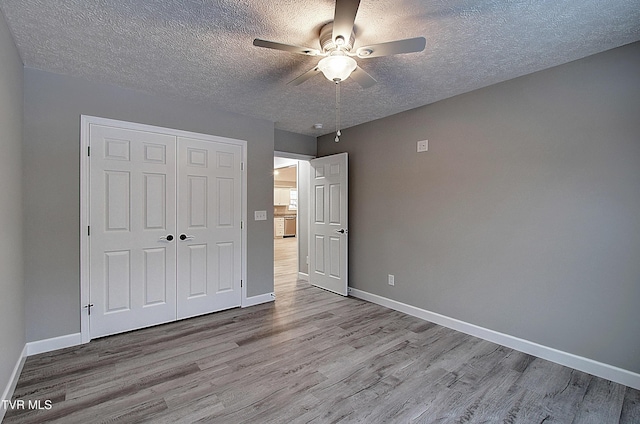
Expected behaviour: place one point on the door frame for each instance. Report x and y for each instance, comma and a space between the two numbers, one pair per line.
85, 168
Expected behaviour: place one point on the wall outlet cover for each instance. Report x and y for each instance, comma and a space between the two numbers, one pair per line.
423, 145
260, 215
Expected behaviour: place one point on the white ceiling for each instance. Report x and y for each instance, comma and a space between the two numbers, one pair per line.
201, 50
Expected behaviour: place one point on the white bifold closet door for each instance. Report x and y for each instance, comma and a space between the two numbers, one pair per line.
165, 240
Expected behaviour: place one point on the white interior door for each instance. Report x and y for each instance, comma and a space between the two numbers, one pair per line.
328, 253
209, 219
133, 218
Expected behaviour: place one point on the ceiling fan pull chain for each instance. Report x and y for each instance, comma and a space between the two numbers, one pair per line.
337, 112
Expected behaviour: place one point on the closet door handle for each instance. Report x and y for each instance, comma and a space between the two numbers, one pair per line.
168, 237
184, 237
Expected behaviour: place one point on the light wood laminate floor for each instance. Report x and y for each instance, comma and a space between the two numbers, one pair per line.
310, 357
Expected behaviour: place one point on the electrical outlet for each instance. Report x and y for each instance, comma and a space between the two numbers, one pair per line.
260, 215
423, 145
392, 280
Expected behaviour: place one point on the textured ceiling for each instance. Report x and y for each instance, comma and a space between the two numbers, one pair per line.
201, 50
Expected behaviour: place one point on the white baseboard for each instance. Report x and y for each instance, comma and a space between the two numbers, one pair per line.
33, 348
599, 369
55, 343
257, 300
302, 276
13, 381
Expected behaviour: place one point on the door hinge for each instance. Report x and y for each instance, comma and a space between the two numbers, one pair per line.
89, 230
240, 283
242, 166
88, 308
88, 150
241, 225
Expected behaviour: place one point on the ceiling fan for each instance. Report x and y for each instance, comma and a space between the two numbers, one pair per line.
337, 40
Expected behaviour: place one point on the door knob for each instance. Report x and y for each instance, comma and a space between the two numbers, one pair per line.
168, 237
342, 231
184, 237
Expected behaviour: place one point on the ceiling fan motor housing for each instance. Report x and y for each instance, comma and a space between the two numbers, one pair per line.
326, 39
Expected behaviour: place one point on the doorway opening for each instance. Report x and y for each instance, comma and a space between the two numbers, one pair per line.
285, 222
320, 243
290, 212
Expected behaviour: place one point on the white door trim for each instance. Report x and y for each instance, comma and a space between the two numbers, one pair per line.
85, 123
287, 155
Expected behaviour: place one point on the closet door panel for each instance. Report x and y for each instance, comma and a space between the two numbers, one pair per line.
209, 214
132, 210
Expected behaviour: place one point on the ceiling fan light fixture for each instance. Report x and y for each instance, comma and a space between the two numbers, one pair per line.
337, 67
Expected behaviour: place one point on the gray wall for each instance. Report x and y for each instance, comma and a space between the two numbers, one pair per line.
53, 105
286, 141
12, 328
524, 215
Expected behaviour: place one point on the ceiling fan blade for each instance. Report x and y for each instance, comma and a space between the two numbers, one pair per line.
363, 78
410, 45
285, 47
343, 19
302, 78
